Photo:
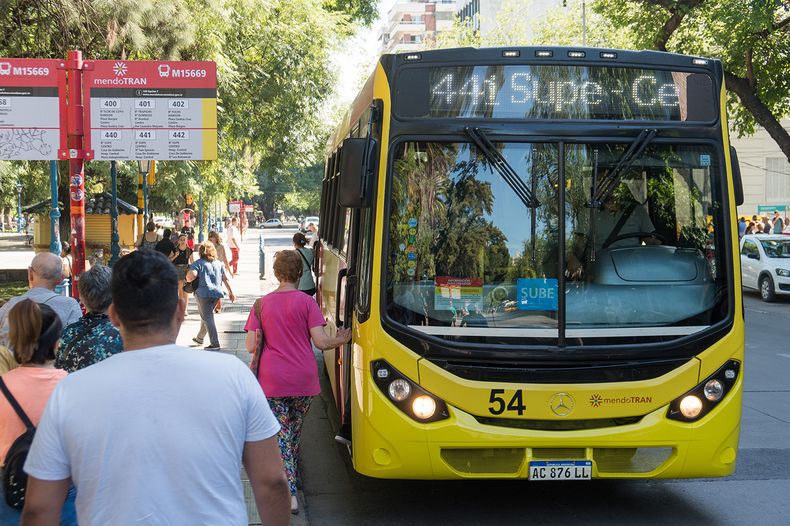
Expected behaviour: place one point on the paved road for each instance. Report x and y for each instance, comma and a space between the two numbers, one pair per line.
757, 493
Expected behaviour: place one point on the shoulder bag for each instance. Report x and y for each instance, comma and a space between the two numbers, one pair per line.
14, 477
192, 286
255, 363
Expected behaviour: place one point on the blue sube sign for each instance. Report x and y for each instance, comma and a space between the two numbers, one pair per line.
536, 293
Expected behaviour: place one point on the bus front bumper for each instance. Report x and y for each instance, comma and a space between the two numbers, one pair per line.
389, 444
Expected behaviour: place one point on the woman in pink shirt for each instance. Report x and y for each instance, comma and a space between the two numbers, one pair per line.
287, 319
34, 334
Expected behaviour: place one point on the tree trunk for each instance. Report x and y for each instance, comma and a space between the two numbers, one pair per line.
760, 111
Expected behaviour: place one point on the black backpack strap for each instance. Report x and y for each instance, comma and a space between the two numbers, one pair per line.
11, 400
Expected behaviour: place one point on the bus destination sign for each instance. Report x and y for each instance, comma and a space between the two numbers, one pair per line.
151, 110
568, 92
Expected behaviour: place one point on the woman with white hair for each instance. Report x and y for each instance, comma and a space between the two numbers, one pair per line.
93, 337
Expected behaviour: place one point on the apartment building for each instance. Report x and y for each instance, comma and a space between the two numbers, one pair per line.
482, 14
765, 172
412, 26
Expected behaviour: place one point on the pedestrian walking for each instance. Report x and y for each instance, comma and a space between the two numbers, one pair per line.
166, 245
156, 434
188, 231
223, 251
279, 328
182, 260
93, 337
34, 333
149, 238
306, 282
234, 242
43, 275
210, 273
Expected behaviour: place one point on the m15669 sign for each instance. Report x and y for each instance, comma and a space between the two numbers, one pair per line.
151, 110
30, 109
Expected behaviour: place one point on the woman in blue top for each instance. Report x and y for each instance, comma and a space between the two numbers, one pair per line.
212, 275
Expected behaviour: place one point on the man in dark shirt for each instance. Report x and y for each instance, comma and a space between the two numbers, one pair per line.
166, 246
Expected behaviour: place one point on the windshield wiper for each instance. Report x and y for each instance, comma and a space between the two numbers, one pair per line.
502, 167
612, 180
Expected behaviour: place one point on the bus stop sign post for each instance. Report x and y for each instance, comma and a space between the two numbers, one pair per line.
76, 167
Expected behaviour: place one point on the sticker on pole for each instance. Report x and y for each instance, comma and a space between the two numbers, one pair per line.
142, 109
29, 109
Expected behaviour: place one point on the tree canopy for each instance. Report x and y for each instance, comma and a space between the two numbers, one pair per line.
273, 74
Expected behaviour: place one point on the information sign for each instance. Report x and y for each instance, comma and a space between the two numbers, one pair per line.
151, 110
30, 125
769, 209
454, 293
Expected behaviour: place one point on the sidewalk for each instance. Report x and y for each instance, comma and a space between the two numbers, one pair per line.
230, 326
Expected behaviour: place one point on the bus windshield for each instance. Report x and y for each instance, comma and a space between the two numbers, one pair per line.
469, 259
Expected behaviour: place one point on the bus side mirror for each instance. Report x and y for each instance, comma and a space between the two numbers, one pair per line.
357, 165
736, 177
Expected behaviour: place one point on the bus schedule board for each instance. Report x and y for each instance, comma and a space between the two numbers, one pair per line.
150, 110
30, 110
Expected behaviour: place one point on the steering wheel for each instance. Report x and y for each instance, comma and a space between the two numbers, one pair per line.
636, 234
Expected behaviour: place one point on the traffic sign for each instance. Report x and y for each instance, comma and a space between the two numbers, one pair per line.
30, 110
151, 110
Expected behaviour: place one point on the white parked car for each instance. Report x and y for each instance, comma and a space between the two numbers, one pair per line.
272, 223
765, 264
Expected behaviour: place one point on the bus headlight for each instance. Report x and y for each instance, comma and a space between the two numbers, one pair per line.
423, 407
406, 395
698, 402
713, 390
399, 390
690, 406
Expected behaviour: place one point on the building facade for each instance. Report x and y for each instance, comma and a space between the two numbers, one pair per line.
483, 14
765, 172
413, 26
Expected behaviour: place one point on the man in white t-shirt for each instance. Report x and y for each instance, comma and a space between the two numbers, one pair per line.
234, 242
156, 434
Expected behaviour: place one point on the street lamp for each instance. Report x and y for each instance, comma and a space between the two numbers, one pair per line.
19, 208
144, 167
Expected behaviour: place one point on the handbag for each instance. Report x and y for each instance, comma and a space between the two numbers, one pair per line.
192, 286
255, 363
14, 477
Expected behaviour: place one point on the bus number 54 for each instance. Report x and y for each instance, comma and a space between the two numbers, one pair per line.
499, 404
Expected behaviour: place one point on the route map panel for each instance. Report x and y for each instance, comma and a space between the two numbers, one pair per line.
151, 110
29, 109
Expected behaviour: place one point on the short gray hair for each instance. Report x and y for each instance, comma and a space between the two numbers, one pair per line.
48, 267
94, 287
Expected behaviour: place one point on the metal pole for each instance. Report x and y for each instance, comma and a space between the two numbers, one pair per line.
76, 168
115, 245
54, 212
140, 205
146, 217
19, 208
200, 217
221, 218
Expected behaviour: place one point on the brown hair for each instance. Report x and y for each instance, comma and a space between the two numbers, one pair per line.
150, 227
288, 266
208, 251
213, 234
299, 239
34, 332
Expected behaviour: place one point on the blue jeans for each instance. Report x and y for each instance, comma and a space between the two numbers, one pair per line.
206, 310
68, 516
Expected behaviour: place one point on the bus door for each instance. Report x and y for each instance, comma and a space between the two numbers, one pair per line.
344, 317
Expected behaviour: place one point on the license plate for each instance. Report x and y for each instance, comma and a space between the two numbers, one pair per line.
560, 470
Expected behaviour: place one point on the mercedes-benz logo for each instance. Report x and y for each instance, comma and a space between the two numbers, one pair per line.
561, 404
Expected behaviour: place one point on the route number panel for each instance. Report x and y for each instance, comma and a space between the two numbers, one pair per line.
152, 110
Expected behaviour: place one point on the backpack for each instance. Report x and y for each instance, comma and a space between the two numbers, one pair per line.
14, 476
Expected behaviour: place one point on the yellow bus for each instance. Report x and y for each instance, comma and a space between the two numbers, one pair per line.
534, 248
